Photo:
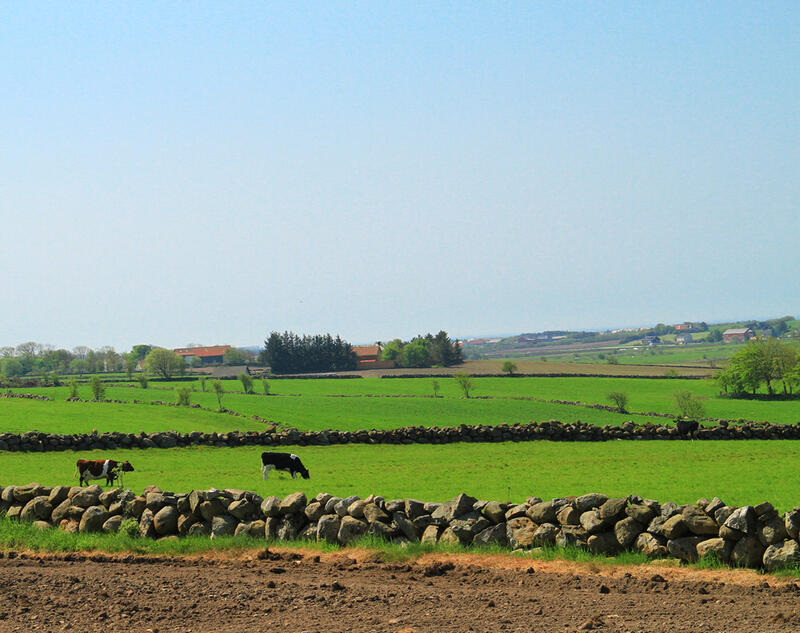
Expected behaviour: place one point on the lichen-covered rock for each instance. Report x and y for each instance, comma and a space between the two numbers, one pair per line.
640, 513
568, 515
373, 513
211, 508
494, 535
544, 512
742, 519
748, 552
572, 536
519, 532
61, 511
350, 529
294, 503
612, 510
291, 526
457, 506
674, 527
791, 522
698, 522
314, 511
23, 494
684, 548
87, 497
651, 545
165, 521
770, 529
58, 495
112, 524
592, 522
93, 519
37, 509
545, 535
381, 530
495, 512
781, 556
270, 505
405, 527
604, 543
719, 548
430, 536
242, 509
514, 512
223, 525
627, 531
200, 528
146, 527
589, 501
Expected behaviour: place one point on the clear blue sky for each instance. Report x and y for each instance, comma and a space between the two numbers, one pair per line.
210, 172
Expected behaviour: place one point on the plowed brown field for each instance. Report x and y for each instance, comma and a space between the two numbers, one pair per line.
355, 591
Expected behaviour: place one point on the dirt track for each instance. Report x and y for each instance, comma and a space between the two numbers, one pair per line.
291, 591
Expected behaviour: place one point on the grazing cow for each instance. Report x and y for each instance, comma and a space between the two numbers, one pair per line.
107, 469
687, 428
283, 461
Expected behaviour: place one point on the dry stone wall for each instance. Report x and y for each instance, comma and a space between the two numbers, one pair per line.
748, 536
275, 436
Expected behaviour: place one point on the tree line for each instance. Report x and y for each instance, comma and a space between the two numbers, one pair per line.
768, 362
424, 351
289, 353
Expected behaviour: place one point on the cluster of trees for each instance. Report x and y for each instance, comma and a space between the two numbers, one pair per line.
761, 362
289, 353
32, 359
423, 351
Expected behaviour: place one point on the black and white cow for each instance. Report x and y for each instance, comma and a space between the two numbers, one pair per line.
108, 469
283, 461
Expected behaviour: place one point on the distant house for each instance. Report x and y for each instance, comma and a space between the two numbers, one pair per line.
207, 355
683, 338
651, 340
685, 326
369, 357
737, 335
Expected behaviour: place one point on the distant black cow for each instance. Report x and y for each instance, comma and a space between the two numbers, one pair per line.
283, 461
687, 428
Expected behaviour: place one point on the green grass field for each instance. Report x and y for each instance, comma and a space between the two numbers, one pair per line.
744, 472
313, 405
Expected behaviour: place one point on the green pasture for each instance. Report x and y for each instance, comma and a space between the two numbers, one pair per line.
644, 395
18, 416
351, 405
302, 412
739, 472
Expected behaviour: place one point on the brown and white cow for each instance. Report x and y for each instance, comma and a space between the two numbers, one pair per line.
107, 469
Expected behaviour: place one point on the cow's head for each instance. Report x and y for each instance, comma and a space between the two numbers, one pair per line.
303, 472
126, 467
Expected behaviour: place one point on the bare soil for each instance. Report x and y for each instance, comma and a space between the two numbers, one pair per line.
284, 590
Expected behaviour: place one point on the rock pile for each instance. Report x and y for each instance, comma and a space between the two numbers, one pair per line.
748, 536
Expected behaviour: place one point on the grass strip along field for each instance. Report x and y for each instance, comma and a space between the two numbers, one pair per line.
739, 473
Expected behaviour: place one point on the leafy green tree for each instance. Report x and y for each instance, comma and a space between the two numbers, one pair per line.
464, 381
689, 406
163, 362
247, 382
141, 351
416, 354
714, 336
73, 388
393, 350
620, 400
97, 387
11, 367
142, 381
219, 390
237, 356
79, 366
509, 367
265, 385
184, 394
131, 360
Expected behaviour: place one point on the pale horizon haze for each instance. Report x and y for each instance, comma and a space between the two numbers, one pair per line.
211, 172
